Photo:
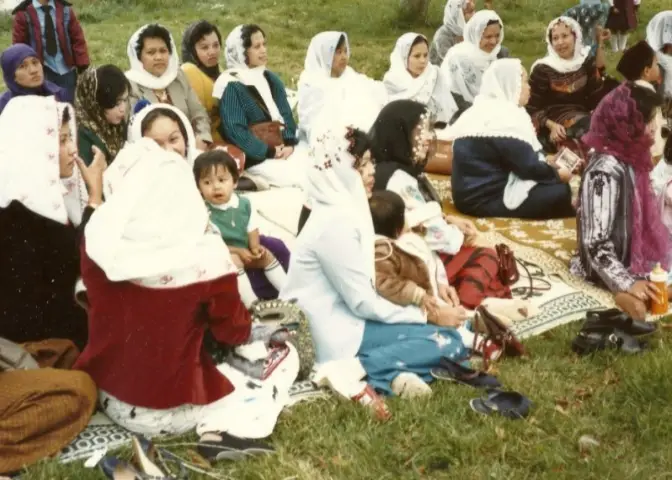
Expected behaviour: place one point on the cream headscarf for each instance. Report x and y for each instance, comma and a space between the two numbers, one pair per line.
239, 71
553, 60
153, 228
139, 75
29, 160
429, 88
496, 113
465, 63
658, 34
453, 17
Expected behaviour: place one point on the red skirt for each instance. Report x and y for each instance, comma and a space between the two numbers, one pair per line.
473, 272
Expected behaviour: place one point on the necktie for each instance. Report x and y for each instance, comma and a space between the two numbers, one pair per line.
49, 31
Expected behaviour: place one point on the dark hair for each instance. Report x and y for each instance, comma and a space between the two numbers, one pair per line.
66, 116
359, 142
388, 213
666, 133
202, 29
341, 42
550, 32
493, 22
246, 34
153, 31
418, 40
157, 113
646, 100
209, 161
112, 84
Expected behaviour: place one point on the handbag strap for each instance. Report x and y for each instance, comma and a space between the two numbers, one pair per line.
529, 277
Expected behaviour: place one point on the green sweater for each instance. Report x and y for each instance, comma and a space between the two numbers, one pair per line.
238, 110
232, 223
86, 139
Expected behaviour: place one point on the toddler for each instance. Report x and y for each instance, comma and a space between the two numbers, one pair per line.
216, 174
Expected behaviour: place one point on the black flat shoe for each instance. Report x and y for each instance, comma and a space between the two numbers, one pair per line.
605, 321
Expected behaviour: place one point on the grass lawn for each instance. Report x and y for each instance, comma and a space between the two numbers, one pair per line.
621, 402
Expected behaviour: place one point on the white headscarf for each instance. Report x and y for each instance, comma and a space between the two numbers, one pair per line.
139, 75
135, 128
553, 60
334, 184
429, 88
465, 63
453, 16
238, 71
351, 99
659, 33
153, 228
29, 160
496, 113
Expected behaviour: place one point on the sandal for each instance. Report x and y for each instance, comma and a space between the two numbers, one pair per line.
509, 404
454, 372
231, 448
146, 457
116, 469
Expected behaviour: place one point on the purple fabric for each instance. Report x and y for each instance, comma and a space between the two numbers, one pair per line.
617, 128
261, 286
10, 61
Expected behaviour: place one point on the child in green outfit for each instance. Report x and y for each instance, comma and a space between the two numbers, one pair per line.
216, 174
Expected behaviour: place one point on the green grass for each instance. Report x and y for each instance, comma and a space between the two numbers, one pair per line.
622, 402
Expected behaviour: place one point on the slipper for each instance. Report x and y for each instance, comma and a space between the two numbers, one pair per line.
454, 372
511, 405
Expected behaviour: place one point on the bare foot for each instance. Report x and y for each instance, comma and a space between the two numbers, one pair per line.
631, 305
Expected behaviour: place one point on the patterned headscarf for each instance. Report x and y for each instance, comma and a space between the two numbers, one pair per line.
618, 128
92, 116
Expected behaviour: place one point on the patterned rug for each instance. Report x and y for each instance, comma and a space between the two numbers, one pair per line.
102, 433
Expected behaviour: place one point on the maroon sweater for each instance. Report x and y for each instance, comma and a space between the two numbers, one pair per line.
146, 345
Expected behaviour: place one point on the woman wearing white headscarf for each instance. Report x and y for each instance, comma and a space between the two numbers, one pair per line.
155, 76
43, 199
412, 77
157, 271
331, 92
251, 94
455, 15
465, 63
567, 84
499, 169
659, 36
332, 275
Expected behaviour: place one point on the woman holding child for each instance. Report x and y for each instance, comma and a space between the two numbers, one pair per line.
401, 139
332, 276
620, 231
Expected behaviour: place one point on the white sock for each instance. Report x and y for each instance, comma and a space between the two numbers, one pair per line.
247, 295
467, 336
622, 41
409, 385
614, 41
276, 275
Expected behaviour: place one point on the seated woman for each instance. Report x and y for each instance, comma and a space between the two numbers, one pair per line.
43, 409
567, 84
333, 279
251, 96
23, 74
466, 62
412, 77
201, 48
43, 199
101, 104
147, 256
400, 141
331, 91
155, 76
455, 14
499, 168
168, 127
620, 232
659, 36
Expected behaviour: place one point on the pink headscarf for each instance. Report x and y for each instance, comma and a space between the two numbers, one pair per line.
618, 128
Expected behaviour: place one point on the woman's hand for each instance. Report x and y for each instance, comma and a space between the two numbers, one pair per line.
449, 295
93, 175
644, 290
283, 153
602, 35
451, 317
558, 132
467, 227
430, 306
565, 175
